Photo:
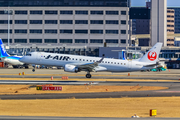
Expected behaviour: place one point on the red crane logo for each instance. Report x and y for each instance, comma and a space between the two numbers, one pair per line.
152, 55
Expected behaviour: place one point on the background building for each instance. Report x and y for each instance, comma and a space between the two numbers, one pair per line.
176, 19
140, 23
159, 22
143, 26
170, 26
177, 41
65, 23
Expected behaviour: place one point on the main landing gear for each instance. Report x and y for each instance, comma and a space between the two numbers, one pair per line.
34, 68
88, 75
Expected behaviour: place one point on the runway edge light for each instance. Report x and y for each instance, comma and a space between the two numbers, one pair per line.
153, 112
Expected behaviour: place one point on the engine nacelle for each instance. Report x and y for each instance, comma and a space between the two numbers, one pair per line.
71, 68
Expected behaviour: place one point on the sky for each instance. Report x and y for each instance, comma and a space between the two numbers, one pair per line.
170, 3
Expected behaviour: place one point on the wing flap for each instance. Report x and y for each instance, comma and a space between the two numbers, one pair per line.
88, 65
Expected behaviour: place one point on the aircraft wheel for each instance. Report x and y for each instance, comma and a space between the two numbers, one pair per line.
33, 70
88, 75
15, 66
26, 67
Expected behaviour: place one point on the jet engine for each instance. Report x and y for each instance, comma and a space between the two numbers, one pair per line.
71, 68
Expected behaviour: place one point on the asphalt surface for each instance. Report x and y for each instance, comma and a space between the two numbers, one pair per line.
173, 84
145, 76
29, 82
174, 90
156, 80
47, 73
162, 93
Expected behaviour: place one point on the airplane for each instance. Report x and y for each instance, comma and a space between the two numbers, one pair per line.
76, 63
12, 60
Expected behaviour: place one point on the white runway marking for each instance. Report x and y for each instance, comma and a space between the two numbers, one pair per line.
168, 91
50, 82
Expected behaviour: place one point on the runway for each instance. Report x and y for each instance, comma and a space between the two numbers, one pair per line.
164, 79
110, 76
76, 82
174, 90
28, 82
93, 95
57, 73
40, 77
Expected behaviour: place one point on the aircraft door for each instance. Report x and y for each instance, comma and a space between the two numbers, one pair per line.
38, 57
129, 64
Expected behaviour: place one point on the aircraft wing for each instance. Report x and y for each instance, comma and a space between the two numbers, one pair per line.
89, 66
151, 65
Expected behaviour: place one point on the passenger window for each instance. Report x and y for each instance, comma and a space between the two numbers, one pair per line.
105, 62
124, 63
79, 59
73, 59
83, 60
90, 60
93, 60
111, 62
121, 63
86, 60
108, 62
115, 63
76, 59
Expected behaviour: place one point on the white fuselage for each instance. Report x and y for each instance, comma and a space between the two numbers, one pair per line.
13, 61
60, 60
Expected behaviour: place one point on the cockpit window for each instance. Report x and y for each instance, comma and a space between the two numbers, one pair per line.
28, 54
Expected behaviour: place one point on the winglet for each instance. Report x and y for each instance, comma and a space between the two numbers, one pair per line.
3, 52
101, 59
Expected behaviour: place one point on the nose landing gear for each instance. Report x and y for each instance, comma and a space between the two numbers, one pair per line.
88, 75
34, 68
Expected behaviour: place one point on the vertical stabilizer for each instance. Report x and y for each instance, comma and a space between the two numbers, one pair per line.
3, 52
152, 55
124, 55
